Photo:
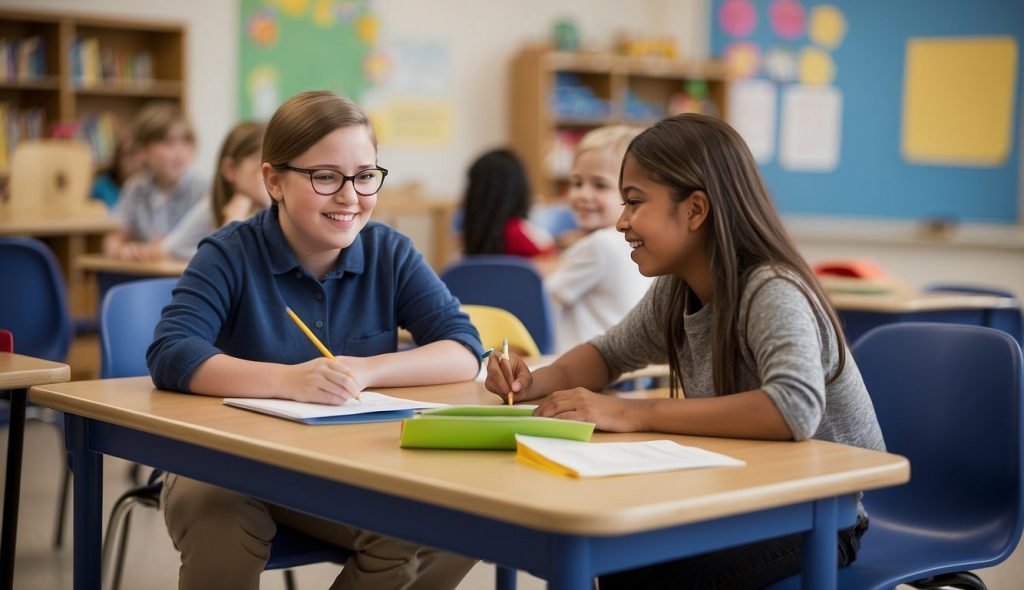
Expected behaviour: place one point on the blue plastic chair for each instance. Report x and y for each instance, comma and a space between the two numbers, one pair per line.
128, 315
34, 305
556, 219
949, 398
511, 283
1009, 320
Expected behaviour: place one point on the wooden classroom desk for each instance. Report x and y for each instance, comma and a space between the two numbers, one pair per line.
483, 504
17, 374
98, 263
70, 234
860, 312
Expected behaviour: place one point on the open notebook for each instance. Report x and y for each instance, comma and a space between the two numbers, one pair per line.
371, 407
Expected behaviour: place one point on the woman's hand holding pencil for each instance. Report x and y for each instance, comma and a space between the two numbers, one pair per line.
508, 376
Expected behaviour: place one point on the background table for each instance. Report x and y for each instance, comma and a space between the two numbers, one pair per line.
17, 373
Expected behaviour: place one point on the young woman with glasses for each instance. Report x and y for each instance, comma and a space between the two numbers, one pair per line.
354, 283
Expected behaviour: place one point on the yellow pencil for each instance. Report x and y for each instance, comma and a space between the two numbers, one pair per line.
508, 363
309, 333
312, 338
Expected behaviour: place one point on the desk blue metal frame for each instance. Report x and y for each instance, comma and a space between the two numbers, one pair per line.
567, 561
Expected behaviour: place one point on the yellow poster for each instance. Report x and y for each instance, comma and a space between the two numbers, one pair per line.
958, 98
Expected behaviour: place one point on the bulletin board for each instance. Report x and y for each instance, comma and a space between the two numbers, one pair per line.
902, 110
289, 46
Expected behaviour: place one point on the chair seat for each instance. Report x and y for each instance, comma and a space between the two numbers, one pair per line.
301, 549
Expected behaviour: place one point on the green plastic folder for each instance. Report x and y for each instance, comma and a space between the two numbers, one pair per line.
485, 427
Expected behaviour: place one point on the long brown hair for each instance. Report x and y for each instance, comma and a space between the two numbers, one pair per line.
244, 140
693, 152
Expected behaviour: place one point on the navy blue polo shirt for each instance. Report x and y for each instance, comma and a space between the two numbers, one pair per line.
232, 298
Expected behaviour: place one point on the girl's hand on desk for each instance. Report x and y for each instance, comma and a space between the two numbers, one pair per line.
322, 381
503, 377
609, 413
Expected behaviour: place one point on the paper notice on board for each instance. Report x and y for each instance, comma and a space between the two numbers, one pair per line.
811, 128
752, 112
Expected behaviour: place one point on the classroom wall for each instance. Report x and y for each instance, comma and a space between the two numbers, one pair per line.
479, 57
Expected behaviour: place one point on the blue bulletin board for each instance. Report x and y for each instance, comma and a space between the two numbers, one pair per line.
865, 108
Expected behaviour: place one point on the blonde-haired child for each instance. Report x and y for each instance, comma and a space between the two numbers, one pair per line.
596, 283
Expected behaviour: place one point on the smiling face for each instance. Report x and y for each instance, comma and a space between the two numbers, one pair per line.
317, 226
666, 235
593, 190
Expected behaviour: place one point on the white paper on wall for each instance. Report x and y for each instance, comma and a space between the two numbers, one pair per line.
810, 128
752, 106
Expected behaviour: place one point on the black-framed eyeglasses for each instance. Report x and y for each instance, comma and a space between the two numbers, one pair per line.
328, 182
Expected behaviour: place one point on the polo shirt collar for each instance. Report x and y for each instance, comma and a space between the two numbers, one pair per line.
283, 260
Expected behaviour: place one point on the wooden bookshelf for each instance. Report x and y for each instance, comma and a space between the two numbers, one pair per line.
539, 129
87, 74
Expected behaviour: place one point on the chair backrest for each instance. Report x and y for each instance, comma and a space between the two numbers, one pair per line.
969, 289
949, 398
50, 173
33, 300
511, 283
555, 218
128, 316
6, 341
495, 324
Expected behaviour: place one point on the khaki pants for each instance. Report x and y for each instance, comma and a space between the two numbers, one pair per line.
224, 539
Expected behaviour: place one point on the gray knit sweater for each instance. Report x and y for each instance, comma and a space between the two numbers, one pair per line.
788, 349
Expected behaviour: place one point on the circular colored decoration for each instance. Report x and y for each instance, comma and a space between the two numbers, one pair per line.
780, 64
787, 18
816, 67
828, 26
262, 28
367, 28
323, 14
737, 17
743, 59
376, 66
263, 91
293, 8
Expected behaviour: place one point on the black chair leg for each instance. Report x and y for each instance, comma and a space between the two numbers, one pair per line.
122, 550
289, 580
62, 508
961, 580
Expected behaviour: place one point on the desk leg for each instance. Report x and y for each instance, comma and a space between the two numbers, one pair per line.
12, 487
572, 570
88, 470
819, 551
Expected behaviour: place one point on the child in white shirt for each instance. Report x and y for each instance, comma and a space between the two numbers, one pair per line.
596, 283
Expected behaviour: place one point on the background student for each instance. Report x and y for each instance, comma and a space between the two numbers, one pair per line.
126, 160
745, 327
237, 193
155, 199
354, 282
596, 282
495, 209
